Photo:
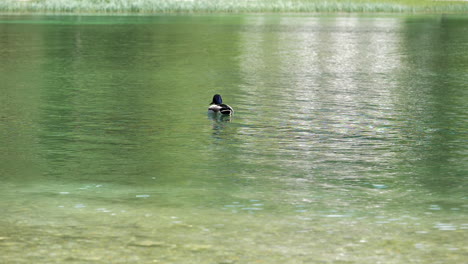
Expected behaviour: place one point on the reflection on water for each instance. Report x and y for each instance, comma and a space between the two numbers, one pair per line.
340, 100
348, 143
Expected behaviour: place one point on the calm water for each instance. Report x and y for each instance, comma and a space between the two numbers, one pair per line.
349, 143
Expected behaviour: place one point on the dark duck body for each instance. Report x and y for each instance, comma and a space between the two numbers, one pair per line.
217, 106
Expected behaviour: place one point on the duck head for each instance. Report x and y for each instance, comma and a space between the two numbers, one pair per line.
217, 99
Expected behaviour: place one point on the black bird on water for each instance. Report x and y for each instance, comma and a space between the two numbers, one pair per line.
217, 106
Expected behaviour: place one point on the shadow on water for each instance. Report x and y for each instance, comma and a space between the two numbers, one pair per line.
431, 100
220, 122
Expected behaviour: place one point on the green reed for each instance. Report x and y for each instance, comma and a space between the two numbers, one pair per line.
230, 6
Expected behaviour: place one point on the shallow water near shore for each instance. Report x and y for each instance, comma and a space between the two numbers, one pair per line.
348, 143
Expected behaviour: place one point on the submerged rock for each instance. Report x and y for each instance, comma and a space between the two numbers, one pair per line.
197, 247
148, 243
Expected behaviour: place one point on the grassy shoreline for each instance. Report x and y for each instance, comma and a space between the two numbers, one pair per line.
232, 6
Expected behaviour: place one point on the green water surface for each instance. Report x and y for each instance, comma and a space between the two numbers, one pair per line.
348, 143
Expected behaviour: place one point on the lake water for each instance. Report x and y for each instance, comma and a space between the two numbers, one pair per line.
348, 144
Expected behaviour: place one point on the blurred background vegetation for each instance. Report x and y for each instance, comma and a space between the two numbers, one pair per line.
232, 6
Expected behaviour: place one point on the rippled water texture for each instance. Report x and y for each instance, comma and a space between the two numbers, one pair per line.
348, 144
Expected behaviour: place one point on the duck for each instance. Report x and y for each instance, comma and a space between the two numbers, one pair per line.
217, 106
